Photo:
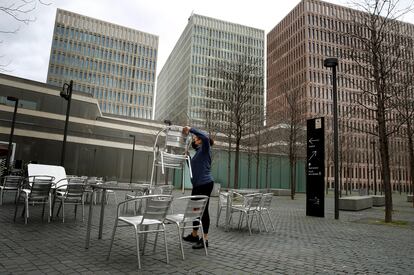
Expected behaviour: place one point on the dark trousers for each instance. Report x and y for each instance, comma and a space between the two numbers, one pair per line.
204, 189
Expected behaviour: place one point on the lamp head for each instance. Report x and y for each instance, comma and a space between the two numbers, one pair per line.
12, 98
330, 62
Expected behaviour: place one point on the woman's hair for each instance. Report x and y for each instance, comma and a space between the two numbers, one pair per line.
211, 140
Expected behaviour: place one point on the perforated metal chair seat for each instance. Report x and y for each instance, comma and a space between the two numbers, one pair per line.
154, 212
193, 211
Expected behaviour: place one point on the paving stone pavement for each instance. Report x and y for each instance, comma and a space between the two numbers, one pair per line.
354, 244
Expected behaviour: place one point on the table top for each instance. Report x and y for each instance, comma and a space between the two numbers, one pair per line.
122, 187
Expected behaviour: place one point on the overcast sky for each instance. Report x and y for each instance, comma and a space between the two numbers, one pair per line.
27, 51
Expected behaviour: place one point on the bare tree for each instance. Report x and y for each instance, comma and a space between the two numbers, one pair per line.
295, 136
375, 44
405, 111
239, 98
20, 12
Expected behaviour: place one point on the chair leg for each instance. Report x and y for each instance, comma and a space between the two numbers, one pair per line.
58, 211
202, 234
262, 219
257, 221
218, 215
50, 209
156, 238
137, 240
83, 209
180, 239
27, 211
1, 196
165, 241
15, 210
248, 224
43, 210
63, 210
270, 220
112, 239
76, 209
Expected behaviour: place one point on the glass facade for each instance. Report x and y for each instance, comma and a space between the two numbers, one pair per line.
187, 77
114, 64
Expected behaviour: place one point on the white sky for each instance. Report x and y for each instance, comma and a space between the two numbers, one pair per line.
27, 52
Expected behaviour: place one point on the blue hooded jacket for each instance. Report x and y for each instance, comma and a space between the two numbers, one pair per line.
201, 161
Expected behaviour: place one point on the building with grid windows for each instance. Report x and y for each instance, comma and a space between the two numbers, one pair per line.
187, 80
296, 48
114, 64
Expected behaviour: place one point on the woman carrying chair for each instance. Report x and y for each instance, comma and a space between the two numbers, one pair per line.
202, 180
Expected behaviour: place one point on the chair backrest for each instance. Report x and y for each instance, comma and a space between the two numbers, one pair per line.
266, 200
156, 206
162, 190
223, 197
175, 138
253, 201
12, 181
195, 206
74, 190
40, 187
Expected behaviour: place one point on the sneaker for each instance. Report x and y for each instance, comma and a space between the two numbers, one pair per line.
190, 238
200, 244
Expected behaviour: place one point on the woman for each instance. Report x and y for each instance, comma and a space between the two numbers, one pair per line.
202, 180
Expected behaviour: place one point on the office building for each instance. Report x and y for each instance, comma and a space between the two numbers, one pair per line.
114, 64
296, 49
188, 80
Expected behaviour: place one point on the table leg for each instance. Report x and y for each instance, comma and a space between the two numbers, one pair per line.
88, 229
228, 210
101, 218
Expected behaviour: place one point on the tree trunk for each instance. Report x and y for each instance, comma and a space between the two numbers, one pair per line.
229, 164
385, 161
236, 164
257, 166
411, 155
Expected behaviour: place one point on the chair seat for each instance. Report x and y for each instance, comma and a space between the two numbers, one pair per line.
178, 218
136, 220
9, 188
243, 208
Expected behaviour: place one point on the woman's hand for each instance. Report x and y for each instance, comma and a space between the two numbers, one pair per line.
186, 130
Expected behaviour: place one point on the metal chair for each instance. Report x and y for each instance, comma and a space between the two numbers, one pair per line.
10, 183
172, 152
154, 212
265, 207
227, 199
35, 190
193, 211
110, 192
249, 210
71, 193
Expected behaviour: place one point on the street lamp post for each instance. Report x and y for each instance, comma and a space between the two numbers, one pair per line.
9, 148
375, 169
332, 63
132, 161
66, 93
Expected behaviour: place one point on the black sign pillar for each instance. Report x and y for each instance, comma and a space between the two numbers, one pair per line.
315, 168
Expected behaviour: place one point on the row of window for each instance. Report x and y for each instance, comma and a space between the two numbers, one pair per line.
79, 75
139, 100
125, 110
224, 46
245, 38
90, 52
93, 66
105, 41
